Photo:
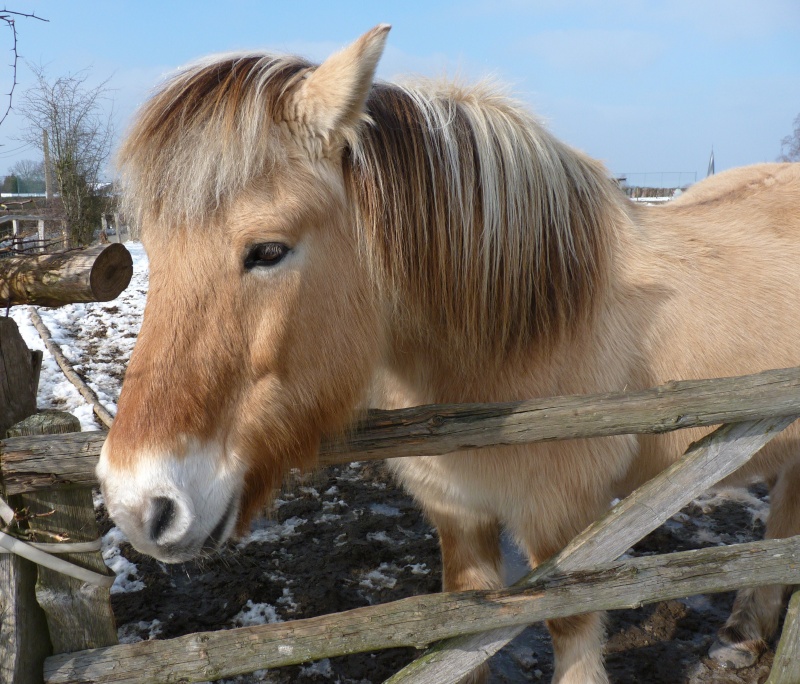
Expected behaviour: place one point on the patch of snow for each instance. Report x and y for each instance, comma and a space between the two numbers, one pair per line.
419, 568
132, 632
271, 531
287, 601
382, 537
383, 509
256, 614
127, 574
321, 668
378, 579
327, 518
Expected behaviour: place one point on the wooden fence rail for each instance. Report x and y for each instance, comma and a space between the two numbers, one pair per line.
31, 463
705, 463
419, 620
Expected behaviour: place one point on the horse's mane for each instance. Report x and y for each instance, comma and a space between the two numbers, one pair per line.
472, 212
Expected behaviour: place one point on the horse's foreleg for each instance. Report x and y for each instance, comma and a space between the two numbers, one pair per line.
577, 640
471, 559
578, 647
756, 612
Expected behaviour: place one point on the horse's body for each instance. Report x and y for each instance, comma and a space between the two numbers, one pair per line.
306, 263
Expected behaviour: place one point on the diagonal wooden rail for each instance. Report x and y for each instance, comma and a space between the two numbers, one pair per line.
705, 463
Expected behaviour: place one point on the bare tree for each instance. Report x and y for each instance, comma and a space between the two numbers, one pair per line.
28, 169
790, 145
10, 18
29, 175
79, 133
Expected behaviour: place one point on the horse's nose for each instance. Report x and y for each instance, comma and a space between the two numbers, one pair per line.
163, 512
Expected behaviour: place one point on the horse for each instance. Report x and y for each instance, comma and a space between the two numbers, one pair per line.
321, 243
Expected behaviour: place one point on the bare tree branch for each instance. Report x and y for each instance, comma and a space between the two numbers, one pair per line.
10, 18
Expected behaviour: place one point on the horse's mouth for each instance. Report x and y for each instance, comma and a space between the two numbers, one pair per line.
223, 528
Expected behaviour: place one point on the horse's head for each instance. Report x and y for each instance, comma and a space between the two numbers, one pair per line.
261, 327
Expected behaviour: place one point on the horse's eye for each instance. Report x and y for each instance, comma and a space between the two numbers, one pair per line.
265, 254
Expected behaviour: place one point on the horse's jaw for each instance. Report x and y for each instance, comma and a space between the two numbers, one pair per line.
174, 507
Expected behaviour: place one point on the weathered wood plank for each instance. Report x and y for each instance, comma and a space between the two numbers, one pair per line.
24, 641
438, 429
418, 620
704, 464
37, 463
47, 462
786, 667
96, 274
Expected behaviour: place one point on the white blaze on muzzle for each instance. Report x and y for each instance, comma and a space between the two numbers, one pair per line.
174, 507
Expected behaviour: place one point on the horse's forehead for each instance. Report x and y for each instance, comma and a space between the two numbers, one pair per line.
295, 193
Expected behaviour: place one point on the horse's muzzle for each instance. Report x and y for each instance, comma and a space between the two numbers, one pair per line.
173, 508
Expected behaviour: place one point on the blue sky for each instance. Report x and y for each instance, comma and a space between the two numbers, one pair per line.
644, 86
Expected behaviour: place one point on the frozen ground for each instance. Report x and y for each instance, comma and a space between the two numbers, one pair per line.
346, 537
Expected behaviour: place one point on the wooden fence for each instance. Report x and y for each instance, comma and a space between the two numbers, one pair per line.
15, 239
585, 576
34, 241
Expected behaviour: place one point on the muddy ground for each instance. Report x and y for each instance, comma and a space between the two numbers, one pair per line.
348, 537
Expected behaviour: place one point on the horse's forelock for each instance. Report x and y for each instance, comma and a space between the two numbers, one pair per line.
204, 136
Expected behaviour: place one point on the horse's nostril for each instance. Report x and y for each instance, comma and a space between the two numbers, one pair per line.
163, 513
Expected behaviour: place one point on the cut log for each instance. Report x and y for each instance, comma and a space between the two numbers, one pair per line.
96, 274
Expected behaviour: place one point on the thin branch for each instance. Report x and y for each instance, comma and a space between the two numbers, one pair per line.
9, 17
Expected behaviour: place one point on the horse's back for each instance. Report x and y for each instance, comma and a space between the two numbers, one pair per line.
755, 182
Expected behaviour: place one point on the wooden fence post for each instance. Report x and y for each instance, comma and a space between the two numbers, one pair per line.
786, 668
78, 615
55, 614
24, 640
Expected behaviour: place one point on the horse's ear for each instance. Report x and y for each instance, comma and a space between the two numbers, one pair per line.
332, 96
